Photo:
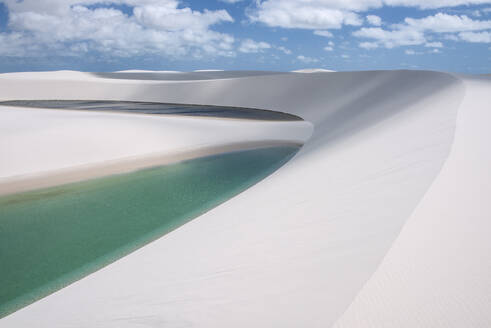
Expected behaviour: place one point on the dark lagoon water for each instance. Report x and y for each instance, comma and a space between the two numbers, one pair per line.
156, 108
52, 237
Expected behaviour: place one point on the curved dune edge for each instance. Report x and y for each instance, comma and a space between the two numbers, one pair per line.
72, 174
304, 241
45, 147
78, 233
436, 273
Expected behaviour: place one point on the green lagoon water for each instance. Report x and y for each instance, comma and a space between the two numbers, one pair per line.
52, 237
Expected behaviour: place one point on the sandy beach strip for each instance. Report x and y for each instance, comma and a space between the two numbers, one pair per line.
62, 176
42, 148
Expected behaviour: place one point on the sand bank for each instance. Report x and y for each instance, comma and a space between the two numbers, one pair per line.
436, 273
43, 147
55, 177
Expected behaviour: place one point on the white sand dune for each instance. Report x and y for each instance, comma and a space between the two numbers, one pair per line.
69, 146
312, 70
437, 273
145, 71
208, 70
382, 219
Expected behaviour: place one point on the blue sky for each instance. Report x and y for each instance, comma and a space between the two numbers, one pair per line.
280, 35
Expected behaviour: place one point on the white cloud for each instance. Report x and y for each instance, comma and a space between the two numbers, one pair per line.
314, 15
325, 33
441, 23
251, 46
72, 27
477, 37
428, 4
307, 60
330, 46
391, 39
374, 20
333, 14
368, 45
231, 1
434, 44
411, 52
286, 51
169, 18
451, 37
414, 31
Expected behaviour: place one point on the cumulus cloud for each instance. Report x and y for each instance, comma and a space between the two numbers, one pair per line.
251, 46
73, 27
477, 37
414, 31
432, 4
307, 60
333, 14
446, 23
325, 33
314, 15
330, 46
374, 20
391, 39
286, 51
368, 45
451, 37
434, 44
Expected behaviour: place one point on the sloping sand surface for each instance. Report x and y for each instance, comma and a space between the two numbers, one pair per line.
437, 273
312, 70
296, 249
183, 76
42, 147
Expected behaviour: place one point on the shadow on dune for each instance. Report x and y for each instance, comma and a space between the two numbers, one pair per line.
338, 104
375, 99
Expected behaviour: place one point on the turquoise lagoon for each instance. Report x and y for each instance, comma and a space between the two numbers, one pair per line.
52, 237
